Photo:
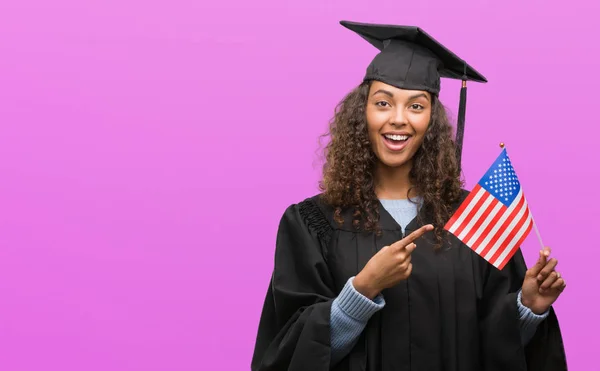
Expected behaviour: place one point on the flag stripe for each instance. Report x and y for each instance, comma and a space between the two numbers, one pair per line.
462, 214
478, 244
512, 248
513, 221
483, 223
474, 215
462, 207
481, 213
520, 223
507, 213
516, 245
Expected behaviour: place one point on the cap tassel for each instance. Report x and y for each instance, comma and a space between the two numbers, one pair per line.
460, 124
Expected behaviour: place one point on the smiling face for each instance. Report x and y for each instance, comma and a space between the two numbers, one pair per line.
397, 121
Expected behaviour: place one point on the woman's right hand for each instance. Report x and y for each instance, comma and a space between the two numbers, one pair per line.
389, 266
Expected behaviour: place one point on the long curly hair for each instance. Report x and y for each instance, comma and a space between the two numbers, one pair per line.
349, 169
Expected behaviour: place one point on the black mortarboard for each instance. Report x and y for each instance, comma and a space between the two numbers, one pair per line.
411, 59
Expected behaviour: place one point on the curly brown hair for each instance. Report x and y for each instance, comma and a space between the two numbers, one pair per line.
349, 170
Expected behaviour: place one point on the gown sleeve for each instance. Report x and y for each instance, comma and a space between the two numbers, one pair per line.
294, 331
501, 344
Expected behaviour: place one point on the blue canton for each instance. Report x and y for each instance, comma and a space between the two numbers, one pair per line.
501, 180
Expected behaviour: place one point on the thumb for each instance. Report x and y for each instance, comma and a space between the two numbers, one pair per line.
410, 247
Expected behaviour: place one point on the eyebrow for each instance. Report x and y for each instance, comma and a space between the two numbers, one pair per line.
391, 95
384, 92
418, 96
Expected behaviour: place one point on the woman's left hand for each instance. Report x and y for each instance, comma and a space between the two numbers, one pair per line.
542, 284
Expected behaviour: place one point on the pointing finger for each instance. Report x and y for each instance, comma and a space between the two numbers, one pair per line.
413, 236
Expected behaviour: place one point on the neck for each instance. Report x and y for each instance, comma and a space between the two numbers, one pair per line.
393, 183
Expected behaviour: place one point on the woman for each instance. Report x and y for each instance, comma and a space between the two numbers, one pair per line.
365, 277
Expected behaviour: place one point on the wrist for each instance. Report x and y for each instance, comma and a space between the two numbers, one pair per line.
528, 303
538, 311
362, 286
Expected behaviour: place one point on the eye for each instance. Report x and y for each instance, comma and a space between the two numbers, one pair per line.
382, 103
417, 106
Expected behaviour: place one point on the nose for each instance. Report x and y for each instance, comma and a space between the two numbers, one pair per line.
398, 117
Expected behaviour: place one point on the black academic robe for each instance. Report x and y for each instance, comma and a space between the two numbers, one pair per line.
456, 312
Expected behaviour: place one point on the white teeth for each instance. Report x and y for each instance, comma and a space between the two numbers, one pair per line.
396, 137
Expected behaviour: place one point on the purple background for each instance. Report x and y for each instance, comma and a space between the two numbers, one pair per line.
148, 150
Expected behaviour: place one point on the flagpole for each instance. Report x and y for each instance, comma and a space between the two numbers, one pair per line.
537, 232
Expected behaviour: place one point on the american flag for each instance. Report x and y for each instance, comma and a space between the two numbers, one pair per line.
494, 219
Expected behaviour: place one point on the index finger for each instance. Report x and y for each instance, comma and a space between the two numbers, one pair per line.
541, 263
413, 236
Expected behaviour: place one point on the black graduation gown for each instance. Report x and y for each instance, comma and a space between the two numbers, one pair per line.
456, 312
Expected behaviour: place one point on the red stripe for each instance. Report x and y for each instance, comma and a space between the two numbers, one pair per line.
504, 225
489, 227
511, 235
508, 220
516, 247
462, 207
485, 214
472, 213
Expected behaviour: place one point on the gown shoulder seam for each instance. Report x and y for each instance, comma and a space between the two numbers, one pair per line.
317, 222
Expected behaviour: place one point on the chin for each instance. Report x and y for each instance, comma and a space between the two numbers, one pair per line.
393, 163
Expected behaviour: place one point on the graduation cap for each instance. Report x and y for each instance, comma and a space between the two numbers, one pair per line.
411, 59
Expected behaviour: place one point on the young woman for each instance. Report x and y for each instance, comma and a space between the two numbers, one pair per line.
365, 277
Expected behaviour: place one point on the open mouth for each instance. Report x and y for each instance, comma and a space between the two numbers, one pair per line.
396, 138
396, 142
